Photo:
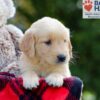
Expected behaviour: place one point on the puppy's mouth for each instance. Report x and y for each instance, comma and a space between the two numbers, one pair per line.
60, 62
60, 59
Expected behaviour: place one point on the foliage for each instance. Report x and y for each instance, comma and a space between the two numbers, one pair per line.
85, 34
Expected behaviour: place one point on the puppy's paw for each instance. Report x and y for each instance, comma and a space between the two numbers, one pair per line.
30, 81
55, 79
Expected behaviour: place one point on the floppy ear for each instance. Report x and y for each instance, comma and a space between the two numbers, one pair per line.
27, 44
69, 43
70, 49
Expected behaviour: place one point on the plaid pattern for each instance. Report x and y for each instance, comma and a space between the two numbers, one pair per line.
11, 88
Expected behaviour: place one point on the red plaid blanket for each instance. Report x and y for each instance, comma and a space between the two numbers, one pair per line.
11, 88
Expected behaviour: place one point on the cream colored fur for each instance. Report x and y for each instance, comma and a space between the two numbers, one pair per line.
9, 35
40, 59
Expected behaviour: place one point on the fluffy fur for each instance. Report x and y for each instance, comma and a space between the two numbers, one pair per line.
42, 43
9, 35
7, 10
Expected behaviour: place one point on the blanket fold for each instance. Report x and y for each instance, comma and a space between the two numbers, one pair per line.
11, 88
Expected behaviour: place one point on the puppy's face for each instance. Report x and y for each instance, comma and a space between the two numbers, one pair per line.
53, 48
51, 45
50, 48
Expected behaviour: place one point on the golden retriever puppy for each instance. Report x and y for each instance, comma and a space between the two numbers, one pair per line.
46, 53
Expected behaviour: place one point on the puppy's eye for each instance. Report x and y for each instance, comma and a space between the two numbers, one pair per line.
65, 40
48, 42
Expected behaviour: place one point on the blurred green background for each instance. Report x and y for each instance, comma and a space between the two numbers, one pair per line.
85, 37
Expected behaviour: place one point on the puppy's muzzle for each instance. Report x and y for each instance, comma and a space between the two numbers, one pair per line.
61, 58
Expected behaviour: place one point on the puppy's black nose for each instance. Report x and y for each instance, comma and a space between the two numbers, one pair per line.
61, 58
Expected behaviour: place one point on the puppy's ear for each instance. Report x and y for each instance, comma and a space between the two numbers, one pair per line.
70, 49
27, 44
69, 43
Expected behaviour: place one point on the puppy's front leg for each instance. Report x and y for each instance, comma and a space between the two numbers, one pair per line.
30, 80
55, 79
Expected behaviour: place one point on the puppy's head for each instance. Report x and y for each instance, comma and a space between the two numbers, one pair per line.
49, 40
